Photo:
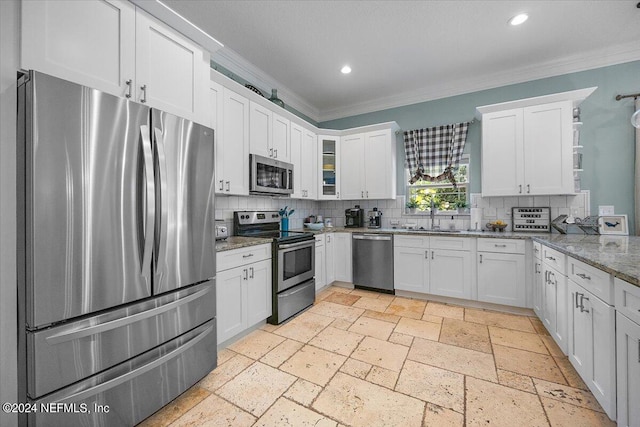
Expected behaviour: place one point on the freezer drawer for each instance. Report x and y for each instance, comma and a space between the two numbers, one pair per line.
68, 353
135, 389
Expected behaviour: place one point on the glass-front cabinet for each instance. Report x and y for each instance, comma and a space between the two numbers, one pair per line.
328, 167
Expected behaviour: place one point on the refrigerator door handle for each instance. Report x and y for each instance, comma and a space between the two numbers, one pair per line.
162, 164
149, 219
66, 336
85, 394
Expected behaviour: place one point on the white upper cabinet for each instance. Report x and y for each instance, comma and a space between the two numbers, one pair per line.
303, 157
172, 72
296, 135
328, 167
368, 164
111, 46
268, 133
527, 145
88, 42
232, 174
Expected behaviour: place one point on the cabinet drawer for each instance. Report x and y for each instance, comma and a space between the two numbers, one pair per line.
627, 298
596, 281
411, 241
455, 243
238, 257
555, 259
505, 246
537, 250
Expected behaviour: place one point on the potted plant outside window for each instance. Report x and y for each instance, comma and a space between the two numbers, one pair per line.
411, 205
461, 205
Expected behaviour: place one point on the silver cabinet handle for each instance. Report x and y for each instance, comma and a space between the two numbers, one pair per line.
582, 298
551, 258
128, 83
499, 246
221, 184
228, 185
337, 195
270, 152
426, 254
144, 94
528, 189
480, 258
520, 188
584, 276
576, 300
362, 194
367, 194
252, 272
246, 274
535, 268
247, 256
275, 153
433, 253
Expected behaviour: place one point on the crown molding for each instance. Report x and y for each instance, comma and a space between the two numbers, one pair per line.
232, 61
580, 62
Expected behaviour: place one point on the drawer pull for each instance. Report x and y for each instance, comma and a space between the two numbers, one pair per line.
500, 246
551, 258
247, 256
584, 276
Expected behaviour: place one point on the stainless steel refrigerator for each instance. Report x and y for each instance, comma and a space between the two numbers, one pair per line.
117, 255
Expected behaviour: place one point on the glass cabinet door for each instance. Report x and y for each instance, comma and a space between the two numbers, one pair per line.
329, 167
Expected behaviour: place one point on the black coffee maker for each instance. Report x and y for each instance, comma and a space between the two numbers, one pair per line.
354, 217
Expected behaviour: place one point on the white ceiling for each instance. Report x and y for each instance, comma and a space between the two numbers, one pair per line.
403, 52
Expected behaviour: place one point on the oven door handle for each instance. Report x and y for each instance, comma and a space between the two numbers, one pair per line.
299, 244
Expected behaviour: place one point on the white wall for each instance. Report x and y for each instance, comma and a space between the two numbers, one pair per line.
9, 45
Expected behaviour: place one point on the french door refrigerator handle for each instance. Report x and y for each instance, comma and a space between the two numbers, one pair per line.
162, 165
149, 224
66, 336
83, 395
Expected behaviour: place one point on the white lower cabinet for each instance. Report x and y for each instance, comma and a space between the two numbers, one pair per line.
450, 273
320, 274
243, 289
627, 301
628, 370
591, 344
501, 272
554, 305
329, 257
538, 281
411, 269
342, 257
430, 265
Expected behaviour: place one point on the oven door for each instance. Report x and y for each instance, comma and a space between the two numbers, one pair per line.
296, 263
270, 176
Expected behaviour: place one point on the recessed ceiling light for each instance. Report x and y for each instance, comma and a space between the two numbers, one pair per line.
345, 70
518, 19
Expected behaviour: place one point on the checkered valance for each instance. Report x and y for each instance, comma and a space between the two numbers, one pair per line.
432, 153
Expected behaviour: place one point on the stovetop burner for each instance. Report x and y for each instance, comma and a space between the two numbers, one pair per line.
265, 224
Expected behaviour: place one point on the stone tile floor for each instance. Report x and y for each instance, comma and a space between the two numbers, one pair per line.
359, 358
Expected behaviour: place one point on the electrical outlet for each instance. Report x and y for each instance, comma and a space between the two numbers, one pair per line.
394, 222
605, 210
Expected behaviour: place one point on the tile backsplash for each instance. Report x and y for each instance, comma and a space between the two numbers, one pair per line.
493, 208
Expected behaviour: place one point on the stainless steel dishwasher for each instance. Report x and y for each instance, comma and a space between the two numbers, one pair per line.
373, 261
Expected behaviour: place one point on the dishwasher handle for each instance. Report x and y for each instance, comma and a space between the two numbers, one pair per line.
372, 237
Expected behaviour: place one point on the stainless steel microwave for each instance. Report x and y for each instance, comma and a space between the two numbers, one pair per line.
270, 177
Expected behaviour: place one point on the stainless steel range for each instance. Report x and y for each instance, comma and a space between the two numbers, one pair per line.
293, 269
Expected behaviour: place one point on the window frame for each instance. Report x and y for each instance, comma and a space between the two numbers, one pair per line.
465, 160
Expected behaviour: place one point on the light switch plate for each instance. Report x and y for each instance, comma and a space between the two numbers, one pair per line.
606, 210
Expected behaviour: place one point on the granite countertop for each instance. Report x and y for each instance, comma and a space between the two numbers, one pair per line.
237, 242
618, 255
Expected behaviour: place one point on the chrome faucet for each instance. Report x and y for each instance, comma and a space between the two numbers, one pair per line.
432, 214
